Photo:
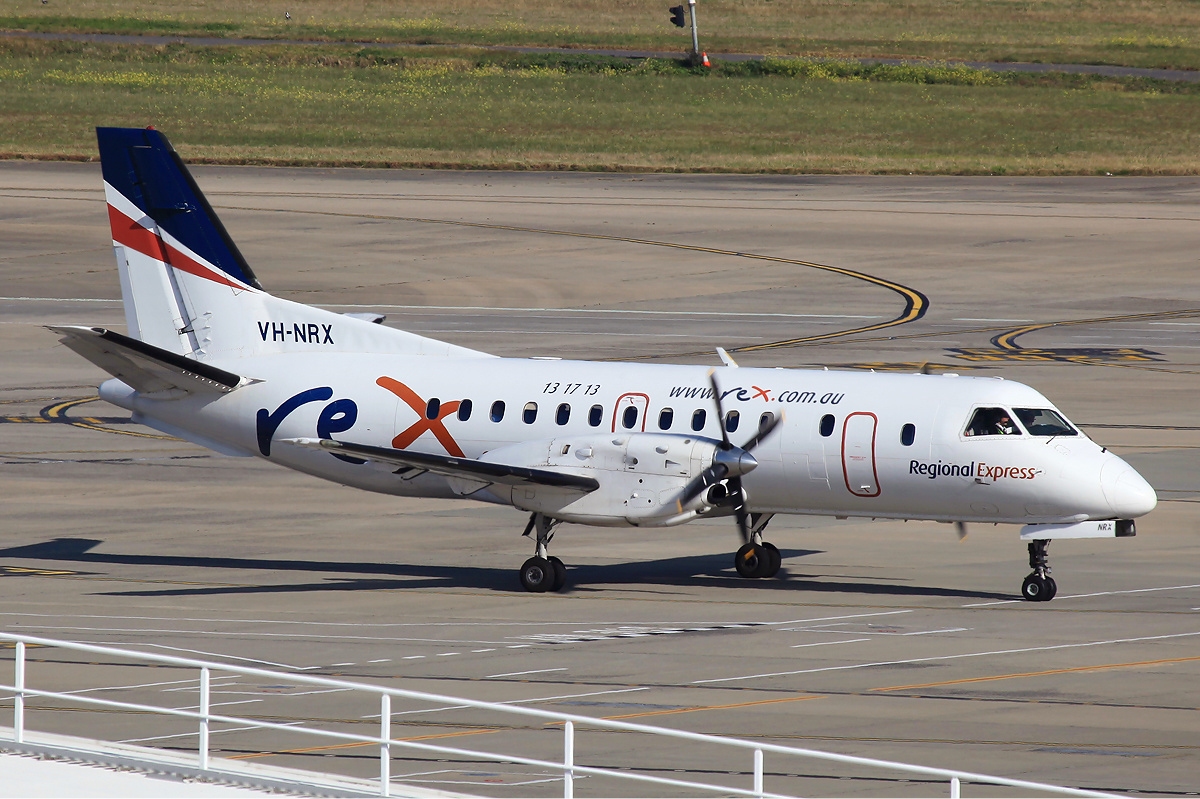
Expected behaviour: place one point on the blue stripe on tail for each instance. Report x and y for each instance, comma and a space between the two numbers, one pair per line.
143, 166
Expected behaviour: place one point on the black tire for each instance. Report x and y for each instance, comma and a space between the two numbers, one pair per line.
537, 575
560, 574
749, 560
1051, 589
1034, 589
774, 559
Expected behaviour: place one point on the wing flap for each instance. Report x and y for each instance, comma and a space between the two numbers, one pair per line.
144, 367
466, 470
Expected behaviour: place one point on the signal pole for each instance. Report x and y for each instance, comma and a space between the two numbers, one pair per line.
695, 34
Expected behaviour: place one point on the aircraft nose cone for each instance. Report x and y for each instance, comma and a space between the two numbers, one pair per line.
1127, 492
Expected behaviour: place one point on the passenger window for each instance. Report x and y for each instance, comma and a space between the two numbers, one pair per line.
698, 420
908, 434
1044, 422
665, 417
731, 421
629, 417
464, 410
991, 422
530, 414
827, 422
765, 419
563, 415
596, 415
497, 410
432, 407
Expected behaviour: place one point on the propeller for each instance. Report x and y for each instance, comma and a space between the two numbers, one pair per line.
729, 464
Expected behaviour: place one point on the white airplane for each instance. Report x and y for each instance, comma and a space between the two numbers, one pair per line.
212, 358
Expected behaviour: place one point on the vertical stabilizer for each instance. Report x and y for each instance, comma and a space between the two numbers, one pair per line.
186, 287
160, 219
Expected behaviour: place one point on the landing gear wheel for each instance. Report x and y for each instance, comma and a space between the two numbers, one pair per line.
560, 574
747, 560
752, 560
1038, 589
537, 575
1039, 586
774, 559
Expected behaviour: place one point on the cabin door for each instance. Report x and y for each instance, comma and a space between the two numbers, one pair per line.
858, 454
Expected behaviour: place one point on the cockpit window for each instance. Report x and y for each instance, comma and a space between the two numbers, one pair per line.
1044, 422
992, 422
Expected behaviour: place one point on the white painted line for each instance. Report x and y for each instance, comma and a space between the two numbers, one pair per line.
528, 332
815, 629
519, 646
1180, 324
1133, 591
947, 657
56, 299
381, 660
211, 732
513, 702
588, 311
521, 673
972, 319
1098, 593
221, 704
233, 657
483, 650
445, 654
834, 618
334, 665
412, 657
830, 643
195, 685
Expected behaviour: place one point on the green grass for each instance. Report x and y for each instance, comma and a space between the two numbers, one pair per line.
345, 106
1150, 33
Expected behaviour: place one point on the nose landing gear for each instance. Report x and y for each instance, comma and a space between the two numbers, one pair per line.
543, 572
1039, 586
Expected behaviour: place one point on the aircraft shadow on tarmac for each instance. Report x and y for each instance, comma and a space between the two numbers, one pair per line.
713, 570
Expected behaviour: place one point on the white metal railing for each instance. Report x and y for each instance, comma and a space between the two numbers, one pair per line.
567, 765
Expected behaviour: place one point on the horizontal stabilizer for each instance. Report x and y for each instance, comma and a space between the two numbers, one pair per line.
457, 468
144, 367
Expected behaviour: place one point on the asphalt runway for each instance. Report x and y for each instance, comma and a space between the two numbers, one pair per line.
882, 639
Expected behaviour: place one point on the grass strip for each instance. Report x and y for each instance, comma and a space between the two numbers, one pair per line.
1165, 33
341, 106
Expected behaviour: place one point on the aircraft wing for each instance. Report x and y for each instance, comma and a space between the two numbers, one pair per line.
143, 366
464, 469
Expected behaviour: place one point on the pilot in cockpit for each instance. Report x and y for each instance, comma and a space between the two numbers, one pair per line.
992, 422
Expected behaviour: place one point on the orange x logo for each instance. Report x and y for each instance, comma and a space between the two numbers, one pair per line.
765, 393
435, 426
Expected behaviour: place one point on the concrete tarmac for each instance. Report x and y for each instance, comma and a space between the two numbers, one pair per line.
882, 639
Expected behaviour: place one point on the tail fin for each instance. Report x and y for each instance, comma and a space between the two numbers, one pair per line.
160, 218
186, 287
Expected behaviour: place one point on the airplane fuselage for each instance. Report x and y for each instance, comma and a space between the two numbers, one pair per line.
842, 448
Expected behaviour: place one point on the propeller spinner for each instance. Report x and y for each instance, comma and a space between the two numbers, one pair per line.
729, 464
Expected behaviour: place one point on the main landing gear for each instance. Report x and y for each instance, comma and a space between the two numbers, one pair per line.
543, 572
757, 558
1039, 586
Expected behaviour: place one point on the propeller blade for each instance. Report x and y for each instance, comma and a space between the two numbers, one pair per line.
709, 477
961, 529
739, 508
763, 432
716, 390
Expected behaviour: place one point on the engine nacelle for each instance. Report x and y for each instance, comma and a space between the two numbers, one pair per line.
641, 476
